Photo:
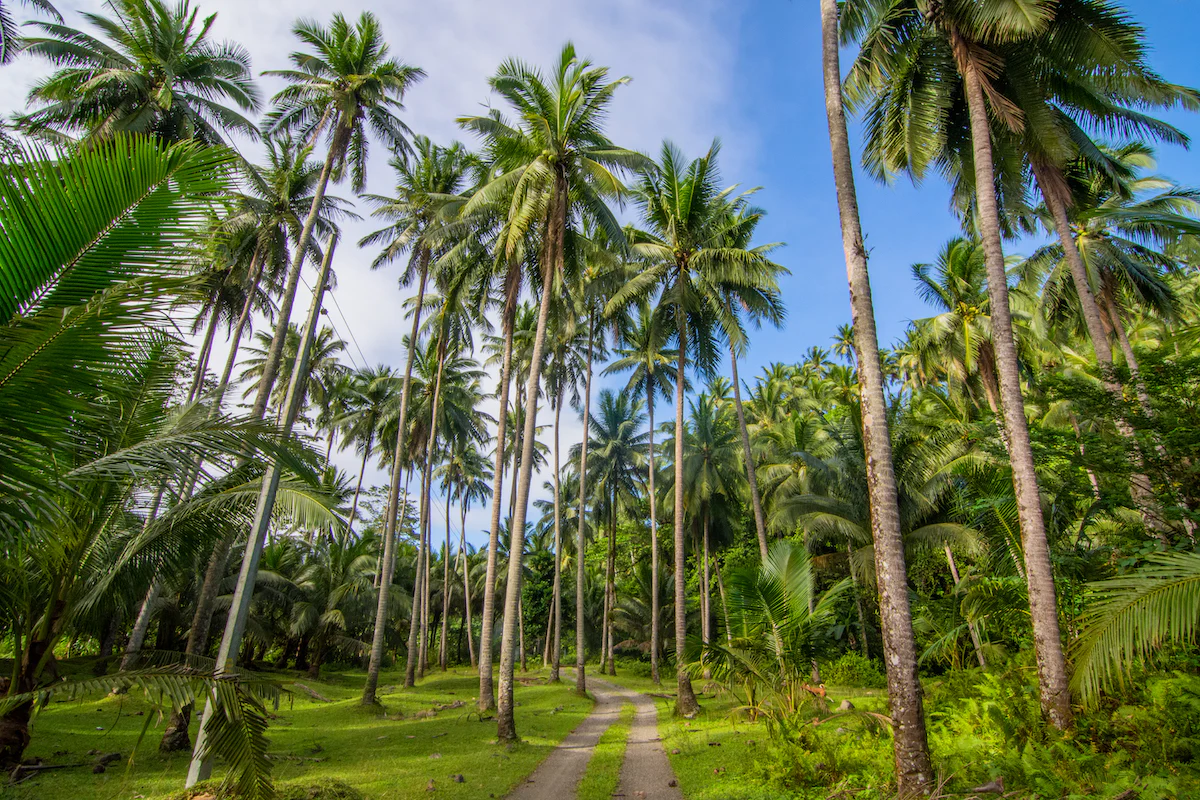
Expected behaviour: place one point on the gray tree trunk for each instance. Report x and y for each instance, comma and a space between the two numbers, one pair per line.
393, 511
1047, 638
655, 630
487, 694
914, 771
760, 525
580, 542
685, 698
239, 610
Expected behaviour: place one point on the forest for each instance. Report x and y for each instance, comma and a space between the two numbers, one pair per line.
960, 564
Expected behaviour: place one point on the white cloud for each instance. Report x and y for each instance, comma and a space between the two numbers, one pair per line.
679, 54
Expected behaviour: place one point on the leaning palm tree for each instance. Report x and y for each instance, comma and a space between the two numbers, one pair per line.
688, 223
152, 69
914, 770
645, 354
559, 165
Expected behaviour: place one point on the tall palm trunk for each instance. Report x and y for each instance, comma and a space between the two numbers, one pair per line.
760, 525
580, 641
206, 598
421, 253
685, 700
655, 630
443, 655
205, 351
705, 587
487, 694
239, 610
506, 725
556, 648
466, 570
362, 470
1047, 638
610, 588
914, 772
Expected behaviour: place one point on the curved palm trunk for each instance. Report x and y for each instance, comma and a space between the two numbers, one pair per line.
506, 725
1047, 638
487, 694
202, 620
556, 647
655, 631
389, 525
466, 569
914, 772
239, 610
685, 699
580, 641
358, 487
760, 525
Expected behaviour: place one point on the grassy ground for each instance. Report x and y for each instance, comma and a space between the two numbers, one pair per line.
388, 756
721, 755
604, 767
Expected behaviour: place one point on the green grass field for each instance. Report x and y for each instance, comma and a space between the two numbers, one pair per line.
388, 756
604, 768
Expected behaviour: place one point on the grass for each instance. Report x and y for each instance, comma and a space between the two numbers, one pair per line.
604, 767
721, 754
388, 755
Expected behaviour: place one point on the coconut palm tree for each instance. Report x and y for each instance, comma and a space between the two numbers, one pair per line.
559, 165
961, 48
644, 353
914, 770
686, 246
152, 69
617, 449
426, 188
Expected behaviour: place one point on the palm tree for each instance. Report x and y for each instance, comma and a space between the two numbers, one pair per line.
466, 476
235, 625
87, 293
766, 306
964, 47
644, 351
687, 249
336, 572
914, 771
153, 69
558, 163
617, 450
372, 392
426, 186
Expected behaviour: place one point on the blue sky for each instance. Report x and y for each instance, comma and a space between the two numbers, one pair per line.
745, 71
781, 97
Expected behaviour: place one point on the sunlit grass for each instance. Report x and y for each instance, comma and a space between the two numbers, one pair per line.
393, 753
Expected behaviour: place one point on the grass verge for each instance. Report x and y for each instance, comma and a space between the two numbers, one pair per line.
604, 767
421, 737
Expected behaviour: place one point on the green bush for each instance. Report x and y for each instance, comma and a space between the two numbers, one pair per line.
854, 669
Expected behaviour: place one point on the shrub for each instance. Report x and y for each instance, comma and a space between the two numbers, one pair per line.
854, 669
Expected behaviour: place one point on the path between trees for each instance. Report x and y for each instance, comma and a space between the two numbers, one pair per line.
646, 772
